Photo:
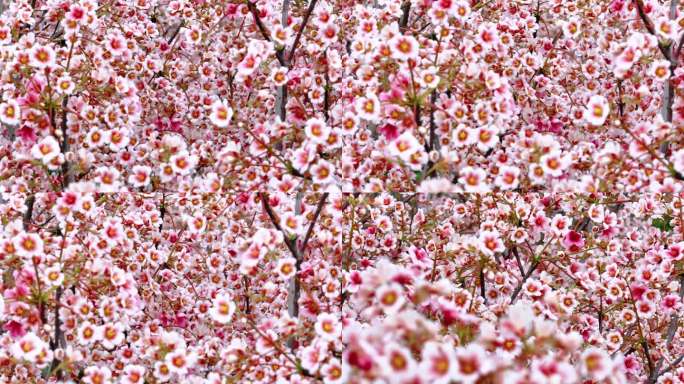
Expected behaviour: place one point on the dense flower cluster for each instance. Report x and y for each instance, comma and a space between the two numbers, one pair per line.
385, 191
437, 96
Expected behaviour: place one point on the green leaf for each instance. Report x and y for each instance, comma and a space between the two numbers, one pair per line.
663, 223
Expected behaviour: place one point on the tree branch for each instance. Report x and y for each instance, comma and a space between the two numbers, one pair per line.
309, 11
664, 48
672, 366
403, 21
264, 31
319, 208
527, 275
671, 331
28, 215
276, 223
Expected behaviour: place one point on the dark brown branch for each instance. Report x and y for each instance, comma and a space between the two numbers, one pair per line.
642, 341
276, 223
28, 215
264, 31
527, 275
326, 93
649, 359
671, 331
66, 167
309, 11
58, 339
319, 208
664, 48
403, 21
679, 46
175, 32
482, 285
517, 259
257, 20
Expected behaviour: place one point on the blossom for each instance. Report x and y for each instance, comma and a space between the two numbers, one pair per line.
485, 191
429, 78
549, 369
665, 29
560, 225
196, 223
438, 362
107, 179
5, 35
65, 85
490, 243
368, 107
133, 374
322, 172
222, 309
97, 375
248, 65
113, 231
112, 335
473, 180
317, 130
487, 137
95, 137
390, 297
389, 131
183, 163
660, 70
472, 362
116, 43
334, 373
221, 114
54, 275
46, 150
508, 177
180, 361
573, 241
597, 110
29, 347
571, 28
162, 371
487, 35
404, 47
279, 76
42, 56
461, 9
28, 245
554, 163
286, 268
140, 176
397, 361
404, 146
329, 33
193, 35
89, 333
10, 112
595, 363
350, 123
328, 327
626, 59
464, 136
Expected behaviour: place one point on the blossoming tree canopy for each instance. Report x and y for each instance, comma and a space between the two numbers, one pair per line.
386, 191
437, 96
